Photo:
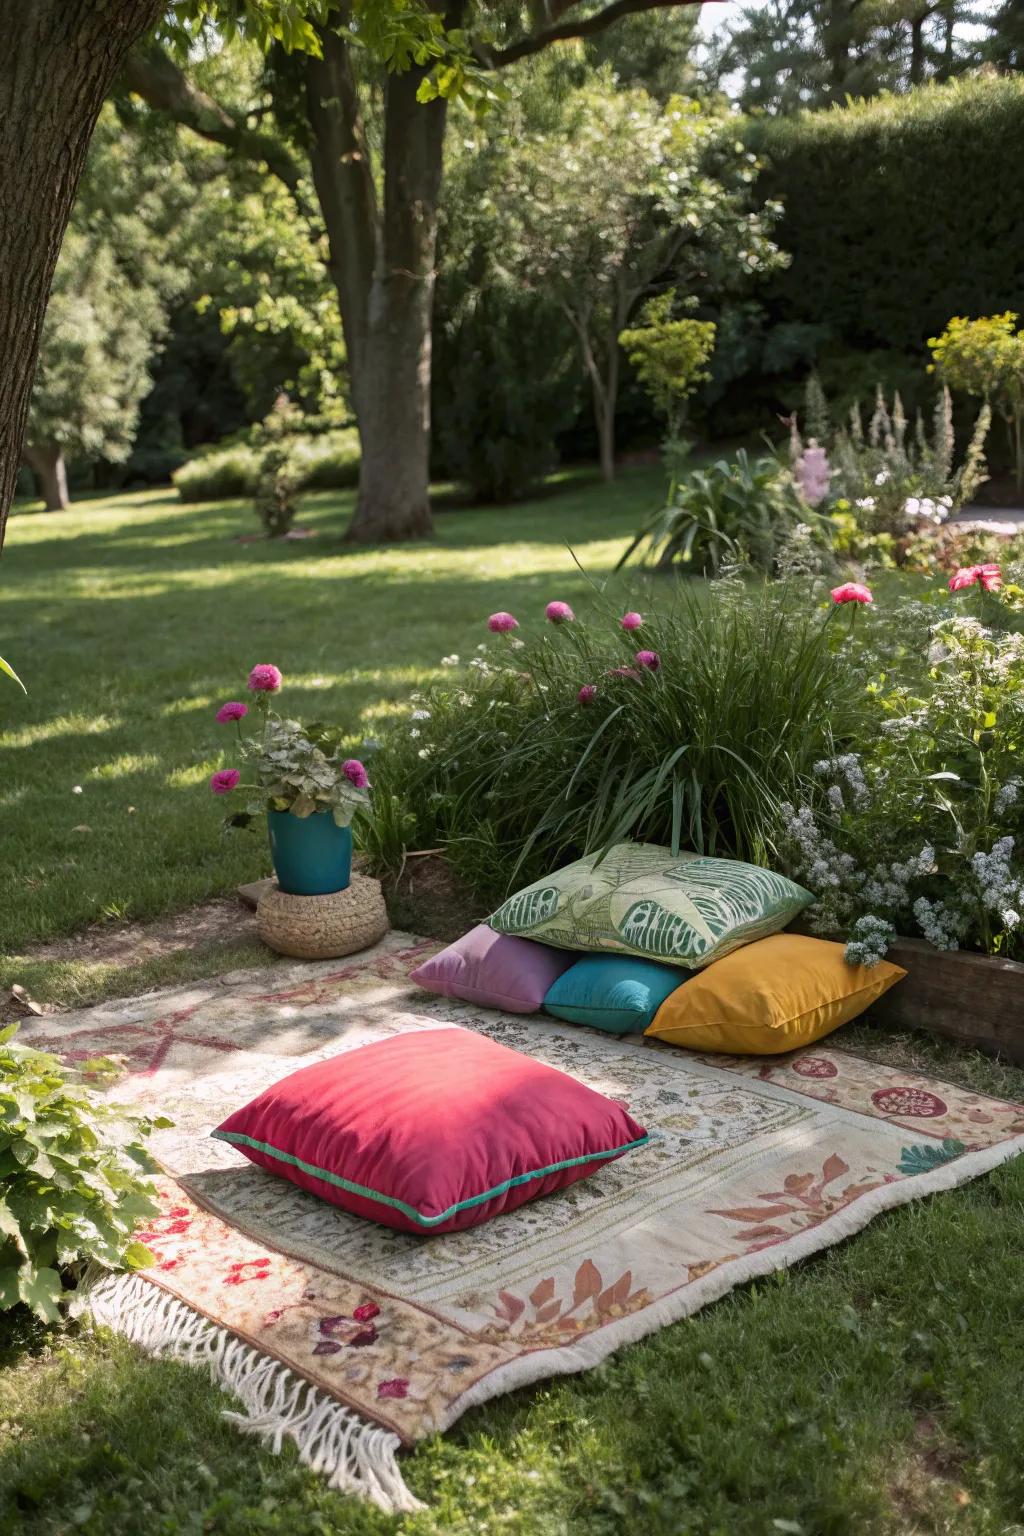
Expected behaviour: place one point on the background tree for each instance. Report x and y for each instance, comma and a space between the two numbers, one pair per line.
791, 55
60, 58
985, 358
93, 369
621, 196
120, 267
376, 161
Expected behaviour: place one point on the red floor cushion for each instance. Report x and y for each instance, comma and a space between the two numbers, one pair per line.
431, 1131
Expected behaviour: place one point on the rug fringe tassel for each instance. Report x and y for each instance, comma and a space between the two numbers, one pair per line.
353, 1454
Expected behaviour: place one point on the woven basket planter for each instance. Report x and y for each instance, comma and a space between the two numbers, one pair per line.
323, 927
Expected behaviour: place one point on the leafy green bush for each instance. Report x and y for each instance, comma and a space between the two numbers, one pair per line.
502, 388
670, 356
217, 472
324, 461
722, 515
513, 771
328, 461
70, 1176
881, 199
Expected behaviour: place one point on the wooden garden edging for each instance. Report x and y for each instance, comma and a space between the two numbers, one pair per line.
975, 999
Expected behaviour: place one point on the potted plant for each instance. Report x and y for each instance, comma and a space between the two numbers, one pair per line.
309, 793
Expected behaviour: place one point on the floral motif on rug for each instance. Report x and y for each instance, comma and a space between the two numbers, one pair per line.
751, 1166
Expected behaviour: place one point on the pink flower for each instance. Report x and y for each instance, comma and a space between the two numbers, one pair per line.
356, 774
501, 623
813, 474
559, 613
224, 780
991, 577
397, 1387
649, 659
232, 711
852, 592
587, 694
366, 1312
631, 620
264, 679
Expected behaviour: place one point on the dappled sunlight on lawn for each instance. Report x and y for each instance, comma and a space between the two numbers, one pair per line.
132, 618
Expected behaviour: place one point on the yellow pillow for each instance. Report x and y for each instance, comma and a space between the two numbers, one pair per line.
770, 996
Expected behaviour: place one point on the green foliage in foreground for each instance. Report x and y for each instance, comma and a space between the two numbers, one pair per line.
70, 1176
513, 772
874, 1389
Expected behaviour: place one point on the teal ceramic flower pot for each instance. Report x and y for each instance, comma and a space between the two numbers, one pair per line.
312, 856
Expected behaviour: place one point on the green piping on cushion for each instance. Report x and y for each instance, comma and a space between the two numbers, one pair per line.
238, 1139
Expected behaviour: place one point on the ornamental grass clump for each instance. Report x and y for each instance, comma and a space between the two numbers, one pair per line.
561, 739
72, 1175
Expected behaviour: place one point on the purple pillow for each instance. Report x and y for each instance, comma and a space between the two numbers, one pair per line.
495, 970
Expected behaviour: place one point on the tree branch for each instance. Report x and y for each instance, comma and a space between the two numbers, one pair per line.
152, 74
583, 26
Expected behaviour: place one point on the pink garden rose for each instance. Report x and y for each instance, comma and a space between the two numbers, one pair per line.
224, 780
232, 711
356, 774
852, 592
559, 613
501, 623
587, 694
631, 620
264, 679
649, 659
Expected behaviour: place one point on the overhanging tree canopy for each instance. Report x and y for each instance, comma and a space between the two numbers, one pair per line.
63, 56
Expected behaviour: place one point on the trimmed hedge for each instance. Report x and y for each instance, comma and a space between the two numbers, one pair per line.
326, 461
900, 211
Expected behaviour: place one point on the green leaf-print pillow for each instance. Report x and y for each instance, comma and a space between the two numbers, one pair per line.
640, 899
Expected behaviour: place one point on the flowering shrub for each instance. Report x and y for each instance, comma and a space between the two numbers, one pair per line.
71, 1176
294, 769
560, 739
918, 832
886, 483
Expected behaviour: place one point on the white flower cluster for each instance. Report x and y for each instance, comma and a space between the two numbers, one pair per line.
1008, 796
1001, 887
847, 768
932, 509
869, 939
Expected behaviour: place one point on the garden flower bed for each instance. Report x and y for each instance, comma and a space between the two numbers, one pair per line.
870, 749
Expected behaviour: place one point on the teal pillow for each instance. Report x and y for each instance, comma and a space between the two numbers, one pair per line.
612, 992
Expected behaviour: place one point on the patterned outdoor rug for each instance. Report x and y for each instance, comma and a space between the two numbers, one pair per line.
353, 1339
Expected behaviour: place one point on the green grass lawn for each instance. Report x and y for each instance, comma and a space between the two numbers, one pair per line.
874, 1389
131, 619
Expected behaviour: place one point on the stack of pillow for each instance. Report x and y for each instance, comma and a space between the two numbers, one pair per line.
682, 947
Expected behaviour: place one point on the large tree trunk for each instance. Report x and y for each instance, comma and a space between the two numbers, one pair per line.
59, 59
46, 461
393, 392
